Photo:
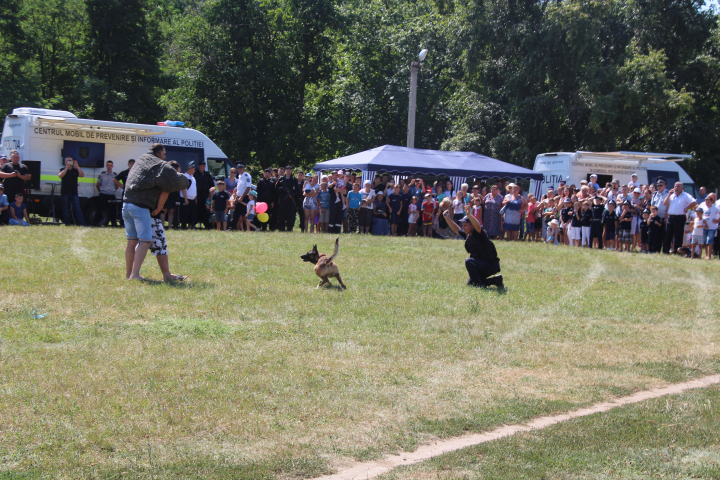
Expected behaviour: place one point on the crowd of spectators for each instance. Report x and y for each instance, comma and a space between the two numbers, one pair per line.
622, 217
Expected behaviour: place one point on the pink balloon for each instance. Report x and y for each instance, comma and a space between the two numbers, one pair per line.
261, 207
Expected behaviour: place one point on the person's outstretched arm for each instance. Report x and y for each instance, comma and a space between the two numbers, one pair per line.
451, 223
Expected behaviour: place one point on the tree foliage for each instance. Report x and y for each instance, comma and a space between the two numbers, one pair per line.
300, 81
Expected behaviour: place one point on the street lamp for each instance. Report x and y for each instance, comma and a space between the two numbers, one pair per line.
414, 66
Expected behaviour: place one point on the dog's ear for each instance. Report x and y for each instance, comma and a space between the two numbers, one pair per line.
314, 248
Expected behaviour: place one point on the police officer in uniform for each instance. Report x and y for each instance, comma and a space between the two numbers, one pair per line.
483, 262
204, 183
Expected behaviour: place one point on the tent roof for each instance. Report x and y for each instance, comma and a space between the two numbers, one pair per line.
399, 160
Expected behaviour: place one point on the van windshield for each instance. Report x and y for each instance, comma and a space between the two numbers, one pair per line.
218, 167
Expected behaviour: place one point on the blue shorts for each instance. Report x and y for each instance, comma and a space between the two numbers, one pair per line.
220, 216
138, 223
530, 227
709, 236
250, 217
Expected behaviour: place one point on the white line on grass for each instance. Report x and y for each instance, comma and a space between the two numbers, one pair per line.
367, 470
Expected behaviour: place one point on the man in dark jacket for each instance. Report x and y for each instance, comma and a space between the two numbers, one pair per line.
265, 194
148, 179
204, 184
286, 209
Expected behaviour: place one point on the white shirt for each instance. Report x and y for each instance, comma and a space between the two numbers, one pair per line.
368, 197
698, 226
632, 185
709, 214
251, 207
679, 203
192, 189
244, 182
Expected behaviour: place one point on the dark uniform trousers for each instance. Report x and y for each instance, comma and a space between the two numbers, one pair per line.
203, 215
674, 231
301, 213
188, 213
107, 202
479, 270
596, 231
336, 218
286, 218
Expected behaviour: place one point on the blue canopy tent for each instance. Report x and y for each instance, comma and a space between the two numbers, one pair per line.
402, 160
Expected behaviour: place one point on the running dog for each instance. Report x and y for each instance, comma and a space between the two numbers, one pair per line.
325, 268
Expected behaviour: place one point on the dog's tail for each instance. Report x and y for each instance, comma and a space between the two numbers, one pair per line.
337, 248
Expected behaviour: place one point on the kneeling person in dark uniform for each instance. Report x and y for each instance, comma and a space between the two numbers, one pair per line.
483, 262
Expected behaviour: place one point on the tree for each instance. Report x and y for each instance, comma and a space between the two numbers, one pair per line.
123, 80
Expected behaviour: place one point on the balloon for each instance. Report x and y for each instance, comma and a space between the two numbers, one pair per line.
261, 207
263, 217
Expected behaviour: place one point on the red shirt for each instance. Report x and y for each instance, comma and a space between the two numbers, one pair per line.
428, 207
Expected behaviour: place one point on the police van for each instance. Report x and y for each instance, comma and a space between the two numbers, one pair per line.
573, 167
44, 137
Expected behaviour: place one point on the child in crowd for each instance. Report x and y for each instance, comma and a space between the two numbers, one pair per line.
354, 199
654, 229
219, 205
596, 230
644, 237
553, 230
532, 209
458, 206
428, 208
586, 223
625, 227
250, 215
413, 215
477, 209
566, 214
208, 207
549, 212
609, 222
576, 225
698, 234
18, 212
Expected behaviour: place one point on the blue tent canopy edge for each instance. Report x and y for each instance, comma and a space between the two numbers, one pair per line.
402, 160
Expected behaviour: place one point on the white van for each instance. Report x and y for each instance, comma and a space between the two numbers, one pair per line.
44, 137
574, 167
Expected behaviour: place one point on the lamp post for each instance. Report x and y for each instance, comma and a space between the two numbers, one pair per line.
414, 66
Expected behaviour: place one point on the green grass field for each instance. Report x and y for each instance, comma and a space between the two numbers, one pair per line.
247, 371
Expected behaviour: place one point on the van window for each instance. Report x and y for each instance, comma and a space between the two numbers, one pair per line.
184, 155
218, 167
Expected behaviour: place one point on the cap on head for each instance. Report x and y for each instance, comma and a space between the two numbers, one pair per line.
661, 180
567, 200
367, 182
626, 202
201, 163
612, 202
465, 219
288, 167
2, 187
637, 190
241, 165
593, 175
634, 175
3, 156
253, 193
190, 165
